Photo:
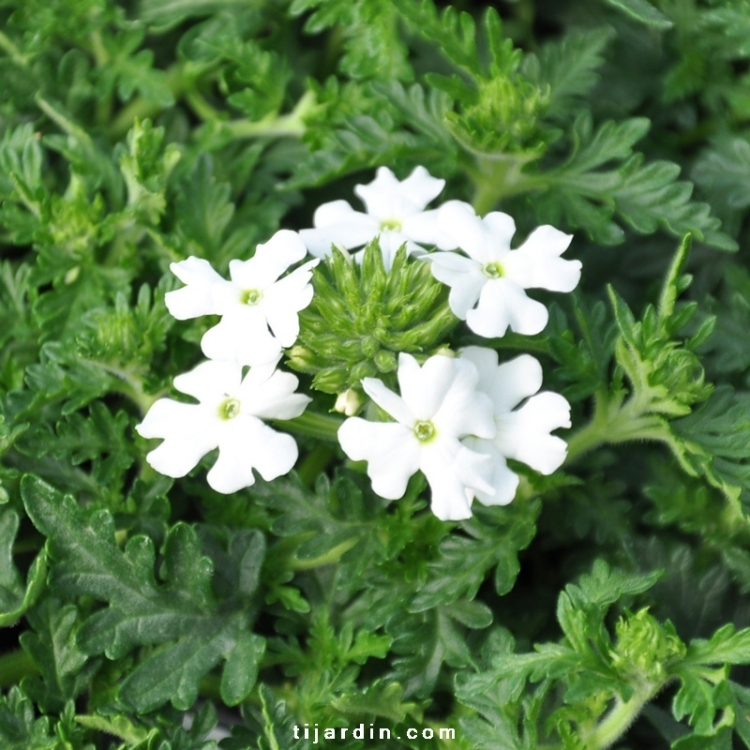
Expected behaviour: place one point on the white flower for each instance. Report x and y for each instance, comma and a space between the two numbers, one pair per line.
228, 417
496, 276
439, 404
522, 434
395, 213
252, 302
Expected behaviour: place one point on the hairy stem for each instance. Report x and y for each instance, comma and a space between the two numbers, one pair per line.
619, 718
312, 424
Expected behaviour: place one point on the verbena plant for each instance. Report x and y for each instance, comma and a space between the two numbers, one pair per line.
285, 230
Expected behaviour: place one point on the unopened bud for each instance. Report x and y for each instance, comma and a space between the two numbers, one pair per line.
349, 402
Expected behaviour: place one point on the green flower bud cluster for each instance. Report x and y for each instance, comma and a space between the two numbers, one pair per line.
503, 118
363, 316
645, 647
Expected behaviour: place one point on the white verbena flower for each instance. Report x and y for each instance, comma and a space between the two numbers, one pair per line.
228, 417
439, 404
255, 300
395, 212
522, 434
494, 277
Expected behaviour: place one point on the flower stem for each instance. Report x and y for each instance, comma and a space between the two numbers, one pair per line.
619, 719
312, 424
615, 422
499, 176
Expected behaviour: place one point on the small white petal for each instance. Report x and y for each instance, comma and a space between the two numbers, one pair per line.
282, 301
459, 221
451, 469
246, 444
388, 401
507, 384
390, 242
271, 395
423, 228
391, 450
210, 381
189, 432
524, 434
195, 298
243, 336
420, 188
337, 223
388, 199
537, 265
501, 227
271, 259
463, 275
504, 481
424, 388
464, 410
503, 303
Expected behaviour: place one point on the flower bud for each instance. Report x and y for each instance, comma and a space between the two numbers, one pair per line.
349, 402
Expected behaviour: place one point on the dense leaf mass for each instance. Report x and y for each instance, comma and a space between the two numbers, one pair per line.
606, 606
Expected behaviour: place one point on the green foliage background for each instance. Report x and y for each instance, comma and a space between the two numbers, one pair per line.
605, 606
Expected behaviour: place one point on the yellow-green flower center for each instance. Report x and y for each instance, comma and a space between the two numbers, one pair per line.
425, 431
229, 409
493, 270
251, 297
390, 225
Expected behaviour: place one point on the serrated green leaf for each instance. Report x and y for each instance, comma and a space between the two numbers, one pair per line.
241, 668
65, 670
141, 611
643, 12
15, 597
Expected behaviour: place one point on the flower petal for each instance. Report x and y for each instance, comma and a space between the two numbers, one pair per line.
209, 382
423, 228
271, 259
271, 395
451, 469
388, 401
459, 221
504, 481
243, 336
507, 384
284, 299
423, 388
536, 264
188, 430
194, 299
337, 223
391, 450
525, 434
503, 303
463, 275
246, 444
388, 199
464, 410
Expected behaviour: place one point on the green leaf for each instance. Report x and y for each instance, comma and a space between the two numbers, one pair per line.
15, 597
382, 699
570, 67
724, 647
643, 12
19, 729
241, 668
496, 536
646, 195
65, 670
183, 612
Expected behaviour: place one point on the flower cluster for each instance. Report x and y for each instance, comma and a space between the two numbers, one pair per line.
259, 317
458, 416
